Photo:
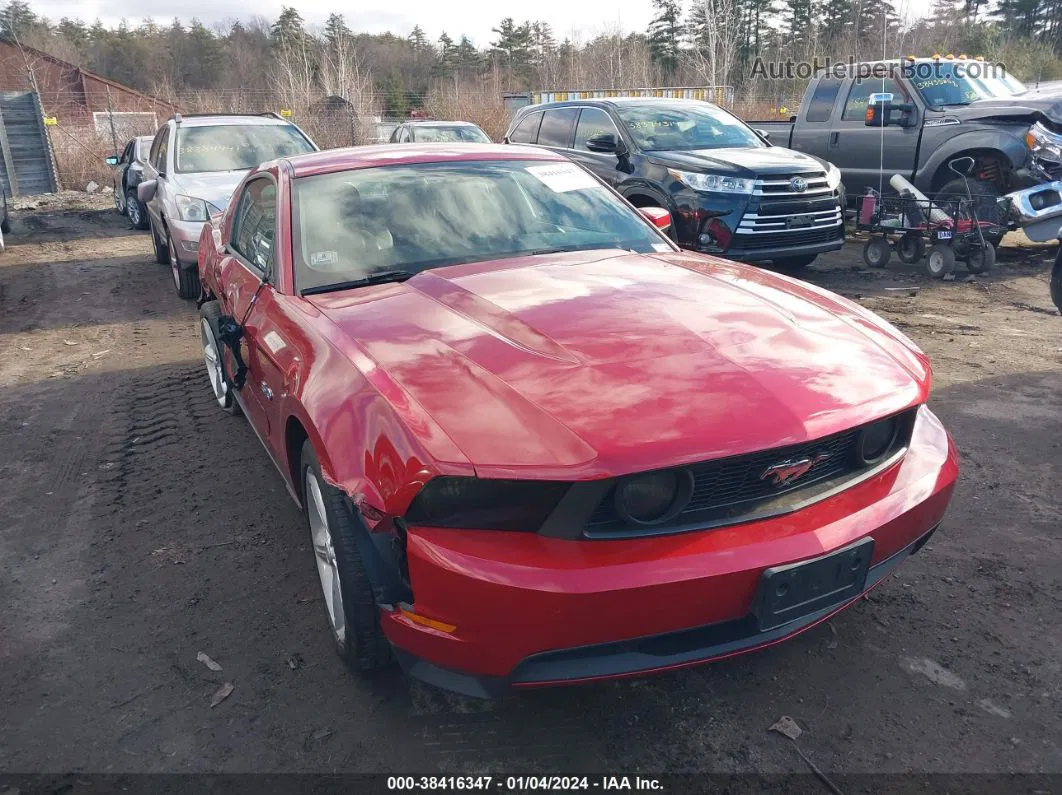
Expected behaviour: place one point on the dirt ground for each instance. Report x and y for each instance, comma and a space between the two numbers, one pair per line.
141, 526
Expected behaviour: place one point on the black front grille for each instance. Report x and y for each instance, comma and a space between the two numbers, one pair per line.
731, 490
780, 239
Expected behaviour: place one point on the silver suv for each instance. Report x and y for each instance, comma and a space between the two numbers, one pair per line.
194, 165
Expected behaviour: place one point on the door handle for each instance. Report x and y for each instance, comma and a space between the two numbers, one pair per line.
266, 390
834, 137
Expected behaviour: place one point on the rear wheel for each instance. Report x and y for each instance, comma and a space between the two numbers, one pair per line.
981, 259
940, 261
135, 210
353, 617
876, 252
911, 248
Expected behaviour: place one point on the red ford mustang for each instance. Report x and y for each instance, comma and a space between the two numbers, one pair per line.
535, 443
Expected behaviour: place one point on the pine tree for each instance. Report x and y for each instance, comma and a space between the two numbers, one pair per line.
418, 39
665, 34
336, 29
288, 29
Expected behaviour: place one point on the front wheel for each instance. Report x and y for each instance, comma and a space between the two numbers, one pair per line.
162, 251
213, 354
185, 279
353, 617
940, 261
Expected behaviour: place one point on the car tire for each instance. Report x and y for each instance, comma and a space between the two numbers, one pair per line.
134, 210
911, 248
5, 225
940, 261
186, 280
876, 252
214, 359
162, 252
352, 613
1056, 281
794, 264
985, 206
981, 259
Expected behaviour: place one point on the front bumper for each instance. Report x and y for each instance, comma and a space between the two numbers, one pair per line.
532, 611
724, 224
185, 236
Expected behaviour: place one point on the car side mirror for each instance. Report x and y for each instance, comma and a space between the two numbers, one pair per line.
113, 160
883, 112
145, 191
657, 216
603, 142
963, 166
766, 136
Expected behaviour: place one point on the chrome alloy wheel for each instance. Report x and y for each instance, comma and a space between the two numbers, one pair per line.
212, 358
327, 568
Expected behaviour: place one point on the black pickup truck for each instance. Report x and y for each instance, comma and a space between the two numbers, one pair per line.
925, 113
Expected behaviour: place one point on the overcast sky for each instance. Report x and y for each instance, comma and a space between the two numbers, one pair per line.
474, 19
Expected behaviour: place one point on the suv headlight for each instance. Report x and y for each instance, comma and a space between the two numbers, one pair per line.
712, 183
833, 176
1044, 143
192, 209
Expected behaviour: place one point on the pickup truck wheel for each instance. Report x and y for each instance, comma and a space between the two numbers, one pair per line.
911, 248
940, 261
1056, 281
981, 259
162, 253
792, 264
984, 205
353, 616
135, 211
214, 360
876, 252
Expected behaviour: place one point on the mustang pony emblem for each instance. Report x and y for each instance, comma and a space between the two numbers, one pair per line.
788, 471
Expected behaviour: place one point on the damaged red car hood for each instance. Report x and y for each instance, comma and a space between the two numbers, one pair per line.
607, 362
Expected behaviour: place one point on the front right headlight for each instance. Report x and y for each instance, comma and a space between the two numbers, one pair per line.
481, 504
1044, 143
713, 183
192, 209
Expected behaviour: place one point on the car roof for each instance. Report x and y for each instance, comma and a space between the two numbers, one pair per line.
439, 123
333, 160
616, 101
222, 119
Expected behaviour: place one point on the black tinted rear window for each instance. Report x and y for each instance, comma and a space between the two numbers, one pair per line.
822, 101
557, 126
526, 131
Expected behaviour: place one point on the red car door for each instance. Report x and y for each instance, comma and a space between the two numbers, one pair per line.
249, 296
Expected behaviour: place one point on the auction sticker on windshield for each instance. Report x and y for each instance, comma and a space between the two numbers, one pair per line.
563, 177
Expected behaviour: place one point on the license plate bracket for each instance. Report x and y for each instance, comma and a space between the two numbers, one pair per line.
798, 589
798, 222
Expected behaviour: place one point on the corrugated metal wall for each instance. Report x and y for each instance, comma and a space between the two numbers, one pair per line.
26, 166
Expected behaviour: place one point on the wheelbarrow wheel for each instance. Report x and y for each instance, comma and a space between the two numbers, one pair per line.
911, 248
981, 259
940, 261
876, 252
1056, 281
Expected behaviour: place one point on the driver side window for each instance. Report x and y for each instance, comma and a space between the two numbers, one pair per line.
159, 158
593, 121
254, 226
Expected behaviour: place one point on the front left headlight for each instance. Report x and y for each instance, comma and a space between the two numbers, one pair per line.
1044, 143
192, 209
833, 176
713, 183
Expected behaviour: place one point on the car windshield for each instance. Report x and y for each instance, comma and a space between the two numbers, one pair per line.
961, 83
456, 134
236, 147
351, 225
693, 126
